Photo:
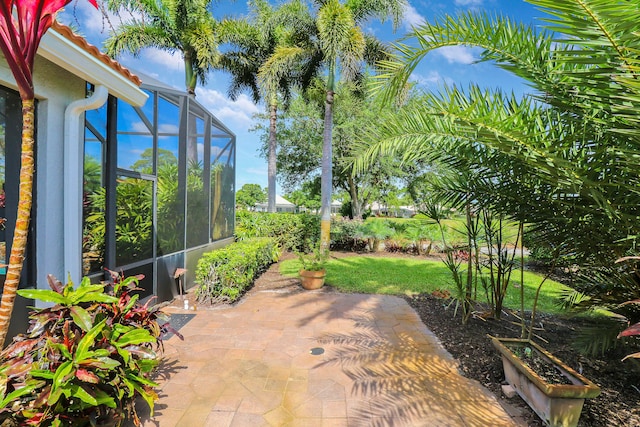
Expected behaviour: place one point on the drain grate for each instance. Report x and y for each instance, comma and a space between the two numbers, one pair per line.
317, 351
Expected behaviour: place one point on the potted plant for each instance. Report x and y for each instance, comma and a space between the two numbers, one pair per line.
552, 389
313, 272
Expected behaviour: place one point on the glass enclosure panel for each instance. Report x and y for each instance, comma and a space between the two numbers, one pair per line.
170, 200
148, 107
98, 120
197, 200
130, 121
135, 152
168, 117
134, 220
93, 206
222, 188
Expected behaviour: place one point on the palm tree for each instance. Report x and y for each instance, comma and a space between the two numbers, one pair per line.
254, 41
340, 46
184, 26
22, 25
574, 140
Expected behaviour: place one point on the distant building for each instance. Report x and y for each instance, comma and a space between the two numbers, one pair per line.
282, 205
394, 211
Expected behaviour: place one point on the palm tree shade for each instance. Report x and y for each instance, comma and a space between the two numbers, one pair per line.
22, 25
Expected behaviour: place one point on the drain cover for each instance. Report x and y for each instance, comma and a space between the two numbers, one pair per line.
317, 350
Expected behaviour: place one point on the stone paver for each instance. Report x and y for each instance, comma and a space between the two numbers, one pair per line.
251, 365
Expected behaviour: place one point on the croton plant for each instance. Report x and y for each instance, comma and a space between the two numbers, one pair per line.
85, 360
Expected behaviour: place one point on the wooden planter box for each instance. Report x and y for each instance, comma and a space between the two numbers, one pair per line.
312, 279
558, 405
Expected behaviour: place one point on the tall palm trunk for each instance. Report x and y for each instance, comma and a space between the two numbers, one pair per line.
326, 182
19, 243
271, 167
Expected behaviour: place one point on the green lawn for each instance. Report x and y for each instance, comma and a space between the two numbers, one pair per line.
376, 275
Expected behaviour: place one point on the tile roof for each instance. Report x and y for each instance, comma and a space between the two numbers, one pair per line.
80, 41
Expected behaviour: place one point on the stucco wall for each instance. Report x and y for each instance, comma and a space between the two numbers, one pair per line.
55, 89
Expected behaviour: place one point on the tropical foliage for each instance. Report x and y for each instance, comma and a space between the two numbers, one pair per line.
84, 360
562, 159
175, 26
251, 64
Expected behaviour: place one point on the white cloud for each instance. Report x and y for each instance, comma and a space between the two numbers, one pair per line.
168, 128
238, 112
457, 54
432, 79
92, 22
139, 127
169, 61
411, 17
470, 3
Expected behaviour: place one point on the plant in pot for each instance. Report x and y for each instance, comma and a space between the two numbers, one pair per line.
554, 390
313, 271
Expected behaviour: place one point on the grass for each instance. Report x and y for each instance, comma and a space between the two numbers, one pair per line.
377, 275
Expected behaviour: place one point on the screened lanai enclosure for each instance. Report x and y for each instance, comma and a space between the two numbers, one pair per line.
159, 188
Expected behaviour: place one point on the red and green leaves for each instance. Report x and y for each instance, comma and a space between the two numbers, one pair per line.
20, 35
90, 353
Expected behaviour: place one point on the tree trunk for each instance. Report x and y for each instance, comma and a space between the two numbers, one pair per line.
356, 210
327, 174
271, 168
18, 247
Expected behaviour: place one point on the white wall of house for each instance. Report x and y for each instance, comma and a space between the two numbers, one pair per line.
55, 89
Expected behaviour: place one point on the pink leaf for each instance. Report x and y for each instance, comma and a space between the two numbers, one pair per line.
87, 376
630, 331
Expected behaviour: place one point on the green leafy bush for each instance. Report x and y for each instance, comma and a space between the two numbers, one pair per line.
83, 361
345, 235
224, 274
293, 232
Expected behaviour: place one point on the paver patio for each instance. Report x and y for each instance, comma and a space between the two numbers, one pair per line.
252, 365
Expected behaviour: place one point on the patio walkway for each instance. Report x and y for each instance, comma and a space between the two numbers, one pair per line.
287, 357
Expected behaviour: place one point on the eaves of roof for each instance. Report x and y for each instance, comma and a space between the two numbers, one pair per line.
72, 52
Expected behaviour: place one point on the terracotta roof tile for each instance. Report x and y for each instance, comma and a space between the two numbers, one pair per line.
80, 41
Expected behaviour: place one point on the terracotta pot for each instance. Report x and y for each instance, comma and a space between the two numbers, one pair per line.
558, 405
312, 279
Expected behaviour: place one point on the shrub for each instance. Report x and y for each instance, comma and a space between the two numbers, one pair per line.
224, 274
83, 361
344, 235
375, 231
292, 232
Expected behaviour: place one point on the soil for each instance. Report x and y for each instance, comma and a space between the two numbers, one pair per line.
618, 403
619, 400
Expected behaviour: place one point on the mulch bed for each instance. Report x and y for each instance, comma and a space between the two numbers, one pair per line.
619, 401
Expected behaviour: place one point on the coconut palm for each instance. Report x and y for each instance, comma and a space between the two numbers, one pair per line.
184, 26
253, 42
340, 46
22, 25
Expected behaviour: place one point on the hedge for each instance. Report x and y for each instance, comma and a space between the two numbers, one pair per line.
293, 232
224, 274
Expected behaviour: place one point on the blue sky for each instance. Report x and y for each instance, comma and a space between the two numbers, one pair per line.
444, 66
